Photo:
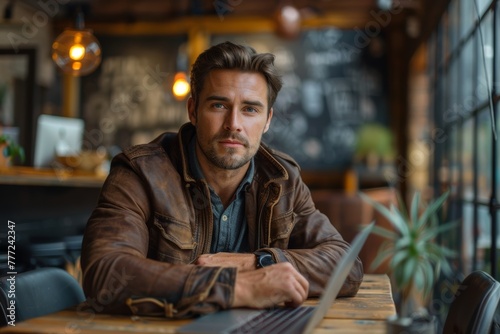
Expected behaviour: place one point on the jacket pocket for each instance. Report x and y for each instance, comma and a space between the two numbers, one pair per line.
174, 240
281, 228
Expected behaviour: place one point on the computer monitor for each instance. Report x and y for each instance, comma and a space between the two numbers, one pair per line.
57, 135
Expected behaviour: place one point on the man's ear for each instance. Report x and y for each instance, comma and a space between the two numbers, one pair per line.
191, 106
269, 116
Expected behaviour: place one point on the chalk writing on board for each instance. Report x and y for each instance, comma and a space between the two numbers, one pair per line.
328, 93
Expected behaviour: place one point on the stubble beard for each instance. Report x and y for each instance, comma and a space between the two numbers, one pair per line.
228, 160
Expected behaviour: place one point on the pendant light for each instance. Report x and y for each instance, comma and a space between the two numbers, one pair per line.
288, 20
181, 87
76, 51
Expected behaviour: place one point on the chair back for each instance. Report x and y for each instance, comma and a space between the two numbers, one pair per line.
37, 292
473, 309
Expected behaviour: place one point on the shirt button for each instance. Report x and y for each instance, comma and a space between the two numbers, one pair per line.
224, 218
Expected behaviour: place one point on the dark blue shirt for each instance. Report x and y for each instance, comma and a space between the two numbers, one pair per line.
230, 233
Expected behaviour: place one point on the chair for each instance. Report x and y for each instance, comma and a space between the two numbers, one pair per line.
48, 254
38, 292
474, 307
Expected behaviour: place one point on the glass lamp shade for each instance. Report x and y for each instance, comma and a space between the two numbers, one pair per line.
288, 22
76, 52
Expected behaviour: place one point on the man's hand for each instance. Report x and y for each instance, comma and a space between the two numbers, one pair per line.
270, 286
243, 262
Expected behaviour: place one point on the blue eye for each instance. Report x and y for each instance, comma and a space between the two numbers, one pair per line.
250, 109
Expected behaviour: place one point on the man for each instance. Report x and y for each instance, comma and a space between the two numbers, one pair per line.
210, 218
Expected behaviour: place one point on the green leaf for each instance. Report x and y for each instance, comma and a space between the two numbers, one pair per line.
418, 276
446, 268
403, 243
21, 154
398, 258
398, 220
429, 277
381, 257
402, 208
395, 219
6, 151
379, 207
432, 208
431, 233
409, 269
415, 203
11, 149
384, 232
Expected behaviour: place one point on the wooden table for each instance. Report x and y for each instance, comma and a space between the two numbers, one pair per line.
365, 313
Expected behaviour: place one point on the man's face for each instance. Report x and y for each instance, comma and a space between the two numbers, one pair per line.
231, 118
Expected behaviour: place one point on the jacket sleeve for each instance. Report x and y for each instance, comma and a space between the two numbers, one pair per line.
117, 275
315, 246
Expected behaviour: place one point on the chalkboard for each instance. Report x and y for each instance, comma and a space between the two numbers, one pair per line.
330, 89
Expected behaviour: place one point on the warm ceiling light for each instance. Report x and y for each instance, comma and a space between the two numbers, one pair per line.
288, 21
290, 13
181, 86
77, 51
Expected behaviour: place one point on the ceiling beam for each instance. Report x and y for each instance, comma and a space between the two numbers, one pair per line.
213, 24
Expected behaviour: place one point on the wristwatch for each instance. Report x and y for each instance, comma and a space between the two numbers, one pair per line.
264, 259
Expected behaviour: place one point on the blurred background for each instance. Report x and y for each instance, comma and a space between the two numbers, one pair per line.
380, 96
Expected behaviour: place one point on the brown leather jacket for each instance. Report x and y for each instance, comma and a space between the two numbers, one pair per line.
153, 219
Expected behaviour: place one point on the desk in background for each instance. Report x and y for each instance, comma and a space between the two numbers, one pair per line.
364, 313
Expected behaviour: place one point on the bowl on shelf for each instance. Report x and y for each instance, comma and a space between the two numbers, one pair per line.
87, 161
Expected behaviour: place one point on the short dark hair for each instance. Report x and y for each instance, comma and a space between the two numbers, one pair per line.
228, 55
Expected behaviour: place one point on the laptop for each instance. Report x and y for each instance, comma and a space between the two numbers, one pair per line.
303, 319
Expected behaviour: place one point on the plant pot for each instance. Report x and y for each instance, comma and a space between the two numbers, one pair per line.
417, 325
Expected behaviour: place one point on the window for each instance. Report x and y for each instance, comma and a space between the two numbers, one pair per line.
465, 75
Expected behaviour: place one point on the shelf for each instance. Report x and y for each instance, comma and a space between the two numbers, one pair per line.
50, 177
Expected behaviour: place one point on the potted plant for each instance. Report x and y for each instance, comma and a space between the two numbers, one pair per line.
10, 150
415, 259
374, 146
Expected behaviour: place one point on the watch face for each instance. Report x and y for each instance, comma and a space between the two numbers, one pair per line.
266, 260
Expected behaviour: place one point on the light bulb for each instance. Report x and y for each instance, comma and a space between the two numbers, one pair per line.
77, 52
181, 86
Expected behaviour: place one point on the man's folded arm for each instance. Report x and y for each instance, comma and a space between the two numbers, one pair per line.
119, 278
315, 247
128, 284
